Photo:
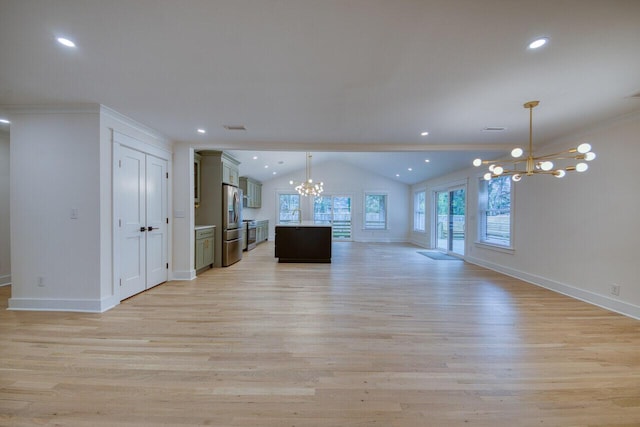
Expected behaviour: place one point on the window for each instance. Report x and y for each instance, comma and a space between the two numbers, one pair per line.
418, 211
495, 203
375, 211
322, 212
289, 208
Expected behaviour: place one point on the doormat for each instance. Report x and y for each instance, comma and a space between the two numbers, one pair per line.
439, 256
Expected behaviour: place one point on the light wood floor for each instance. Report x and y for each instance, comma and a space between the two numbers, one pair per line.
383, 336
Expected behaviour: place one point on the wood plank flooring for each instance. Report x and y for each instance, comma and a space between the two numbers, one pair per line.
383, 336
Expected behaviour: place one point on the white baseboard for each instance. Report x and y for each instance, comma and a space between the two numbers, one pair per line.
40, 304
380, 240
184, 275
603, 301
5, 280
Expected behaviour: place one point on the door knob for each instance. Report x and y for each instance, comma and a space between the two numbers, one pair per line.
151, 228
142, 229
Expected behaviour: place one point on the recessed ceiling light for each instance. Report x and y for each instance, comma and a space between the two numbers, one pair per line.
538, 43
397, 174
255, 157
274, 172
409, 169
266, 166
427, 160
425, 133
202, 131
5, 121
66, 42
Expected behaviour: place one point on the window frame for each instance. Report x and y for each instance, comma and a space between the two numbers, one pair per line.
483, 188
287, 193
416, 204
365, 225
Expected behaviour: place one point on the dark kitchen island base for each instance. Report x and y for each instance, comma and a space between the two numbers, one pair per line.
303, 243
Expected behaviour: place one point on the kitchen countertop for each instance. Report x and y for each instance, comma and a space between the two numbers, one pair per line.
302, 224
202, 227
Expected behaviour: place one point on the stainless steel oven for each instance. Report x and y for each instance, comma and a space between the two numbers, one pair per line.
250, 234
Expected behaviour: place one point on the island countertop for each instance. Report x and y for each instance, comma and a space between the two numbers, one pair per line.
302, 224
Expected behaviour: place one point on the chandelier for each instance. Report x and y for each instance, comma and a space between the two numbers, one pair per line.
573, 159
307, 187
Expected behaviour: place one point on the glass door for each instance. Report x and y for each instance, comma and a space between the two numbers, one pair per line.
334, 210
451, 220
442, 220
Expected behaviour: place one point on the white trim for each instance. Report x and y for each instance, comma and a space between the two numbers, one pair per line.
605, 302
184, 275
80, 305
118, 137
495, 247
5, 280
53, 109
377, 239
138, 127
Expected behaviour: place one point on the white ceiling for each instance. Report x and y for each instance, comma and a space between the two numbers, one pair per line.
339, 76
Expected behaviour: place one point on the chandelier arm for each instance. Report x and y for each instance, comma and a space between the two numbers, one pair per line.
558, 154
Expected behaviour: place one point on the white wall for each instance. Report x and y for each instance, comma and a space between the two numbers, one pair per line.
183, 254
55, 168
344, 179
61, 160
5, 248
577, 235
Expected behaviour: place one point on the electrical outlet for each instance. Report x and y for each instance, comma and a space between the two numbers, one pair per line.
40, 281
615, 290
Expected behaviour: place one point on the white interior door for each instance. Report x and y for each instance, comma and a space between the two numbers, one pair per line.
156, 210
142, 194
131, 194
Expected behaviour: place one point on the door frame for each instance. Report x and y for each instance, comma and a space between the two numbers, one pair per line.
120, 139
333, 196
448, 187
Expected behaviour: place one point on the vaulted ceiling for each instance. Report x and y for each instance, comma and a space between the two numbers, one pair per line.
334, 76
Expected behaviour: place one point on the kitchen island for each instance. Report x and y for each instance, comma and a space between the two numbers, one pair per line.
303, 242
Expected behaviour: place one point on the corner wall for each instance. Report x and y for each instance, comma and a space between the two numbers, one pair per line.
577, 235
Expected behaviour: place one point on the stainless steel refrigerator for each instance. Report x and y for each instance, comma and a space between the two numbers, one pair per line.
232, 226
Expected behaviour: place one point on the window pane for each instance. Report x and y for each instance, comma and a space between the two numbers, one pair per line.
289, 210
419, 211
322, 210
497, 216
375, 212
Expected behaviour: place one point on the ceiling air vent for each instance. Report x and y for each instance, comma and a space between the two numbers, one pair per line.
235, 127
494, 129
635, 95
